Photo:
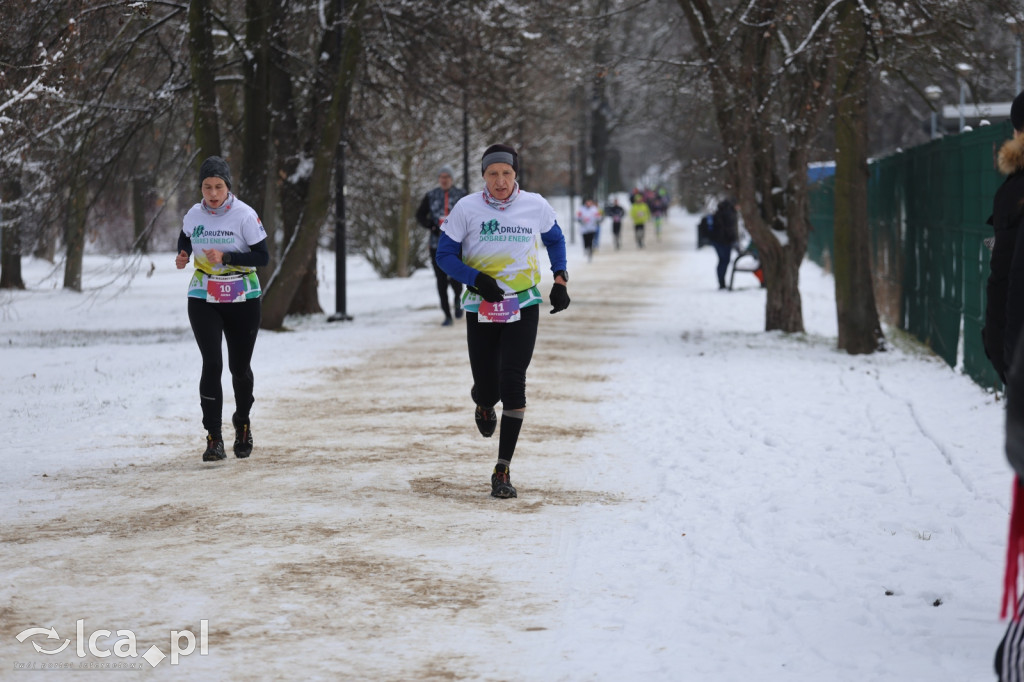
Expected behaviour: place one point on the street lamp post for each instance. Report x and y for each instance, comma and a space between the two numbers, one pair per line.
934, 94
1016, 27
964, 70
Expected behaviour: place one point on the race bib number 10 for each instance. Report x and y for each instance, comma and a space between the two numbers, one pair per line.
503, 311
225, 291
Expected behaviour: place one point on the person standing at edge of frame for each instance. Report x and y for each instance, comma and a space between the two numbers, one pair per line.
435, 207
224, 294
499, 231
1004, 321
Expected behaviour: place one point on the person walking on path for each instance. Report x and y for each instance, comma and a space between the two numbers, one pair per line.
615, 212
659, 208
640, 214
228, 241
490, 242
589, 218
435, 207
724, 237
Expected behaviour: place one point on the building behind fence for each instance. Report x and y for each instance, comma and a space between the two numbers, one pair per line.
928, 209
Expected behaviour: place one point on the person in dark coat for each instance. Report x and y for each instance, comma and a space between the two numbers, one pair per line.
616, 213
434, 208
724, 237
1006, 276
1004, 315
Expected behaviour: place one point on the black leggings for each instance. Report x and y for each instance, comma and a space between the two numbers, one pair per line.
499, 354
238, 323
443, 282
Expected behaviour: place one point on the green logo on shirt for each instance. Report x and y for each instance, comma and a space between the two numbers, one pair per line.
490, 227
197, 231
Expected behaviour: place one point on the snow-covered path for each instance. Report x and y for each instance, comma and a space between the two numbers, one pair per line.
699, 500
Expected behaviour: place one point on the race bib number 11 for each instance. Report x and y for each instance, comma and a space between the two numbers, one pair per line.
503, 311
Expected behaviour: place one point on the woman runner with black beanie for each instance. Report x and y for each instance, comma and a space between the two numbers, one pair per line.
223, 299
499, 232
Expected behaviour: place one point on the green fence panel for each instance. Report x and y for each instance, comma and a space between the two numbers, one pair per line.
980, 181
822, 207
927, 211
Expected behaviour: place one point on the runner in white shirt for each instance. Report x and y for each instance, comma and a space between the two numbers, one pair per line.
499, 232
223, 299
589, 217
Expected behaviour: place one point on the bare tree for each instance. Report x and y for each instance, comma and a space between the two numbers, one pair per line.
341, 45
859, 328
769, 67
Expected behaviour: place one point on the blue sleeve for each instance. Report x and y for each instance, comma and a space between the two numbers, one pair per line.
449, 260
554, 241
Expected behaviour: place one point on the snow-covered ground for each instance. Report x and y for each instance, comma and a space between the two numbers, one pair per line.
698, 499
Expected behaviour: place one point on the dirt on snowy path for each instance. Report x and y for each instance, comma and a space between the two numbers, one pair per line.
358, 542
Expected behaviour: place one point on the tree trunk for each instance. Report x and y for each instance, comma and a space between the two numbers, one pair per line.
751, 95
46, 242
255, 142
289, 187
10, 256
140, 197
781, 264
307, 300
596, 181
204, 93
271, 223
301, 249
859, 327
74, 235
783, 305
405, 216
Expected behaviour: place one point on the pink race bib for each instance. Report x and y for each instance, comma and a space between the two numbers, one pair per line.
503, 311
229, 289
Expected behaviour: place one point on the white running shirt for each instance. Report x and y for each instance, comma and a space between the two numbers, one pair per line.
506, 243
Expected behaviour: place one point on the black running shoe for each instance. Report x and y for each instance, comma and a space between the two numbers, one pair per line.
501, 485
243, 437
214, 449
486, 420
486, 417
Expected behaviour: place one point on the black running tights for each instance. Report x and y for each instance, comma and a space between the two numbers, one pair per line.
238, 324
499, 354
443, 282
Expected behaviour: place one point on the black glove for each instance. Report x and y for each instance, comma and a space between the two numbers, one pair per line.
559, 298
488, 288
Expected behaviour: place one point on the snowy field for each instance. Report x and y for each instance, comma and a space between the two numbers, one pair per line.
698, 499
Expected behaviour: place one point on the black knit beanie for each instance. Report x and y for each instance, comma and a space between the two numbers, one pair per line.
499, 153
215, 167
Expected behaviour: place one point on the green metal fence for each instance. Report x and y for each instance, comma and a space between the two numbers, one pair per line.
927, 209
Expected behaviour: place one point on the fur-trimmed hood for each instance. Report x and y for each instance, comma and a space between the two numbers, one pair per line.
1011, 156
